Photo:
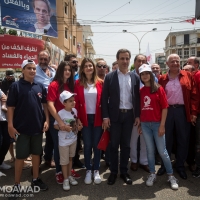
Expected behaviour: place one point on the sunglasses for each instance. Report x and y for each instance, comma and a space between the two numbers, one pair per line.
75, 117
45, 59
100, 66
74, 61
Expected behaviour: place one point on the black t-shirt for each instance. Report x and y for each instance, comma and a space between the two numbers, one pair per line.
5, 85
27, 99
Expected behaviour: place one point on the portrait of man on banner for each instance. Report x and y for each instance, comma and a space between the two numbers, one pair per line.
42, 10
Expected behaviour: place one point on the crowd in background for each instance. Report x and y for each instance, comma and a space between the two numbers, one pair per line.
147, 113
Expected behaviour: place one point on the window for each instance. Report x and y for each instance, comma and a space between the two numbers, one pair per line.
186, 53
198, 53
186, 39
66, 30
198, 40
66, 8
179, 53
74, 40
74, 20
192, 52
73, 2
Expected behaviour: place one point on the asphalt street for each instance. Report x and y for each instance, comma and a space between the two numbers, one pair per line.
188, 189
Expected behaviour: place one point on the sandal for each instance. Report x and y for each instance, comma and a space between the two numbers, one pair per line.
26, 165
12, 159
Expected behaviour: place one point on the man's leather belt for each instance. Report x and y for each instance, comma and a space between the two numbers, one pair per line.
125, 110
176, 105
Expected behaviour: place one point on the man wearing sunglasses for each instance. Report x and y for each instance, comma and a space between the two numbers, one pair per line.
101, 69
45, 75
71, 58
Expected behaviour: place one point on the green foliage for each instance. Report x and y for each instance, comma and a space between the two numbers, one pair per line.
132, 67
12, 32
1, 31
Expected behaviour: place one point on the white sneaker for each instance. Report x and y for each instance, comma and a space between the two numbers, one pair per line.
88, 177
66, 185
173, 181
72, 181
4, 166
151, 179
97, 178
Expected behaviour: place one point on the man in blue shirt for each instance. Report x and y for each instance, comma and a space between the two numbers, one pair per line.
26, 122
45, 75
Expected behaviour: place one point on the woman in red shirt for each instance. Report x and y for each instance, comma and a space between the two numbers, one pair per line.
88, 104
63, 80
153, 115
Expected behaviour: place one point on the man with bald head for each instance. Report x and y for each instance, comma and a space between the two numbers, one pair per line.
194, 61
156, 69
101, 67
183, 100
189, 68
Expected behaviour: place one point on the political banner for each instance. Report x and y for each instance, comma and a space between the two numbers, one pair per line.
14, 49
36, 16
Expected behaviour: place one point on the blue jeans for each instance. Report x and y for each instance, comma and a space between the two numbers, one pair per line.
54, 135
91, 137
150, 133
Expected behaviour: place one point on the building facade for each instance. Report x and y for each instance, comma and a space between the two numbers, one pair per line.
183, 43
161, 60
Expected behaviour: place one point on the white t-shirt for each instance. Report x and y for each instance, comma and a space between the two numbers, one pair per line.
90, 94
67, 138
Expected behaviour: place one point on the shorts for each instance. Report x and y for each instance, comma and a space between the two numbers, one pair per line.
67, 152
28, 144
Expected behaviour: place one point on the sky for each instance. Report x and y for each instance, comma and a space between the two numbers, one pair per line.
140, 17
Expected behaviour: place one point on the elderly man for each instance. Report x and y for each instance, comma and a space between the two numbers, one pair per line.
194, 61
45, 75
120, 110
188, 68
192, 65
42, 10
156, 69
143, 162
183, 100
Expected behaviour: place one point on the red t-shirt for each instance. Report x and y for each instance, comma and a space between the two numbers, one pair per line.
54, 94
152, 104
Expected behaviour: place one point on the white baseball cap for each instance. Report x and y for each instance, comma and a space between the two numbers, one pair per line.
145, 68
26, 62
65, 95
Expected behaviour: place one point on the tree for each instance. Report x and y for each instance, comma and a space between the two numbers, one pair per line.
12, 32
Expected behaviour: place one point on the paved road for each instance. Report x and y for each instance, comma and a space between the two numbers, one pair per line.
189, 189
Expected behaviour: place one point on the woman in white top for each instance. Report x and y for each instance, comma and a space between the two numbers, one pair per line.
88, 104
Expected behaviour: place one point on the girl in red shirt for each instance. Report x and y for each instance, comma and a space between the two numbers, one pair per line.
153, 115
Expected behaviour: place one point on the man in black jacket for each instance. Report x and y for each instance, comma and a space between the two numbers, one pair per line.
120, 111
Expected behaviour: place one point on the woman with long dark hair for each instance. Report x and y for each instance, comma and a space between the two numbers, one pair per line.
63, 80
88, 104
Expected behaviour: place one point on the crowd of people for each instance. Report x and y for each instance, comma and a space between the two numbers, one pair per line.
147, 113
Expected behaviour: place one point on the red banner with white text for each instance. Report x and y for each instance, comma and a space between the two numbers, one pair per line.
15, 49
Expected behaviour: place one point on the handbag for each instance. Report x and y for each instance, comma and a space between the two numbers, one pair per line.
104, 141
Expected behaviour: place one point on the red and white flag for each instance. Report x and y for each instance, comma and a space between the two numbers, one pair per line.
192, 21
149, 56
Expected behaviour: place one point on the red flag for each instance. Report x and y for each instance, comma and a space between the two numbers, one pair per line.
191, 20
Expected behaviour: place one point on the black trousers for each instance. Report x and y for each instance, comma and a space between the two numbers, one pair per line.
4, 140
177, 116
120, 135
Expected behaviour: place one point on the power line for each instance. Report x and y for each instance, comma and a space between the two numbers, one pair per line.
115, 10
